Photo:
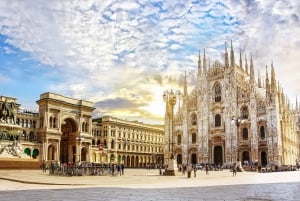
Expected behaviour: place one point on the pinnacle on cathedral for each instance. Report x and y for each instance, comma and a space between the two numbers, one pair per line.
232, 61
205, 128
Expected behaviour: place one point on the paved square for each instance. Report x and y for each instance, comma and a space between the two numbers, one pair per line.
142, 184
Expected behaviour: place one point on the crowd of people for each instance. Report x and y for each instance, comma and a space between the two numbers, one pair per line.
76, 169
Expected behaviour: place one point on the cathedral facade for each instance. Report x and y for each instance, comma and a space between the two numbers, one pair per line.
232, 116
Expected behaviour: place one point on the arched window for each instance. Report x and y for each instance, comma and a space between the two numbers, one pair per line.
35, 153
194, 138
27, 151
217, 120
194, 119
178, 139
262, 132
245, 133
245, 113
217, 92
93, 142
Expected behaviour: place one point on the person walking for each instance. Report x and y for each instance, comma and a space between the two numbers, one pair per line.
195, 171
44, 166
119, 169
183, 169
206, 169
189, 170
122, 168
234, 169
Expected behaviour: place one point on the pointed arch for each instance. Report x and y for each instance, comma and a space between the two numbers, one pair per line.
217, 92
217, 120
262, 132
245, 112
194, 119
245, 134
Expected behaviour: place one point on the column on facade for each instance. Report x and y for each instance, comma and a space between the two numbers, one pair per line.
58, 150
45, 148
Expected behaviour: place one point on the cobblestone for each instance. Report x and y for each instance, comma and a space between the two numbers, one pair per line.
141, 184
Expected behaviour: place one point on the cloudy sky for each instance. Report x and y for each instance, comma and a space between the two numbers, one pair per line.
122, 55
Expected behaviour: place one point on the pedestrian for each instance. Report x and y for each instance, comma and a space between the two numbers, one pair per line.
234, 169
183, 169
119, 169
195, 171
44, 166
112, 169
206, 169
189, 170
122, 168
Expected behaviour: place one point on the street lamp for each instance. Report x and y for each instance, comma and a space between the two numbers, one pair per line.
272, 142
169, 98
125, 144
237, 122
80, 139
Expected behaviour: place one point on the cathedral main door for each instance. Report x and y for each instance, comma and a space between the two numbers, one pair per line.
194, 159
218, 155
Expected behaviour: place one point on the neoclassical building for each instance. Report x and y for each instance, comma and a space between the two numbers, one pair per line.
130, 142
63, 130
230, 115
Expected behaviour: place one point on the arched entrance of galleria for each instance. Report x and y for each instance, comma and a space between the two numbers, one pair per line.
66, 127
68, 141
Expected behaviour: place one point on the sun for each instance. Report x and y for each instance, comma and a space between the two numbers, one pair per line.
157, 106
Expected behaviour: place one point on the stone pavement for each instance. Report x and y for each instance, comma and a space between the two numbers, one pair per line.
142, 184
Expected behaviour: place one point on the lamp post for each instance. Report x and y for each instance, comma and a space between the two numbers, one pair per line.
80, 139
272, 141
125, 144
237, 122
169, 98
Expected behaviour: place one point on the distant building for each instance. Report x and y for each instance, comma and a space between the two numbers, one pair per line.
231, 116
130, 142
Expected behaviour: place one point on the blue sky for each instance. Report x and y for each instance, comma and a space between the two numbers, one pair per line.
122, 54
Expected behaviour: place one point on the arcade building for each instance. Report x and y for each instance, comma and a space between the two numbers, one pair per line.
63, 130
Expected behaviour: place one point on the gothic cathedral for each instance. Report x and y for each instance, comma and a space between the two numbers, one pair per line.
230, 116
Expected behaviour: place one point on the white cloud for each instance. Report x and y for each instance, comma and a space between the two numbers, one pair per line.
109, 49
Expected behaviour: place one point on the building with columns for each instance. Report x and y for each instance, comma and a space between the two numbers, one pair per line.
63, 130
132, 143
232, 116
